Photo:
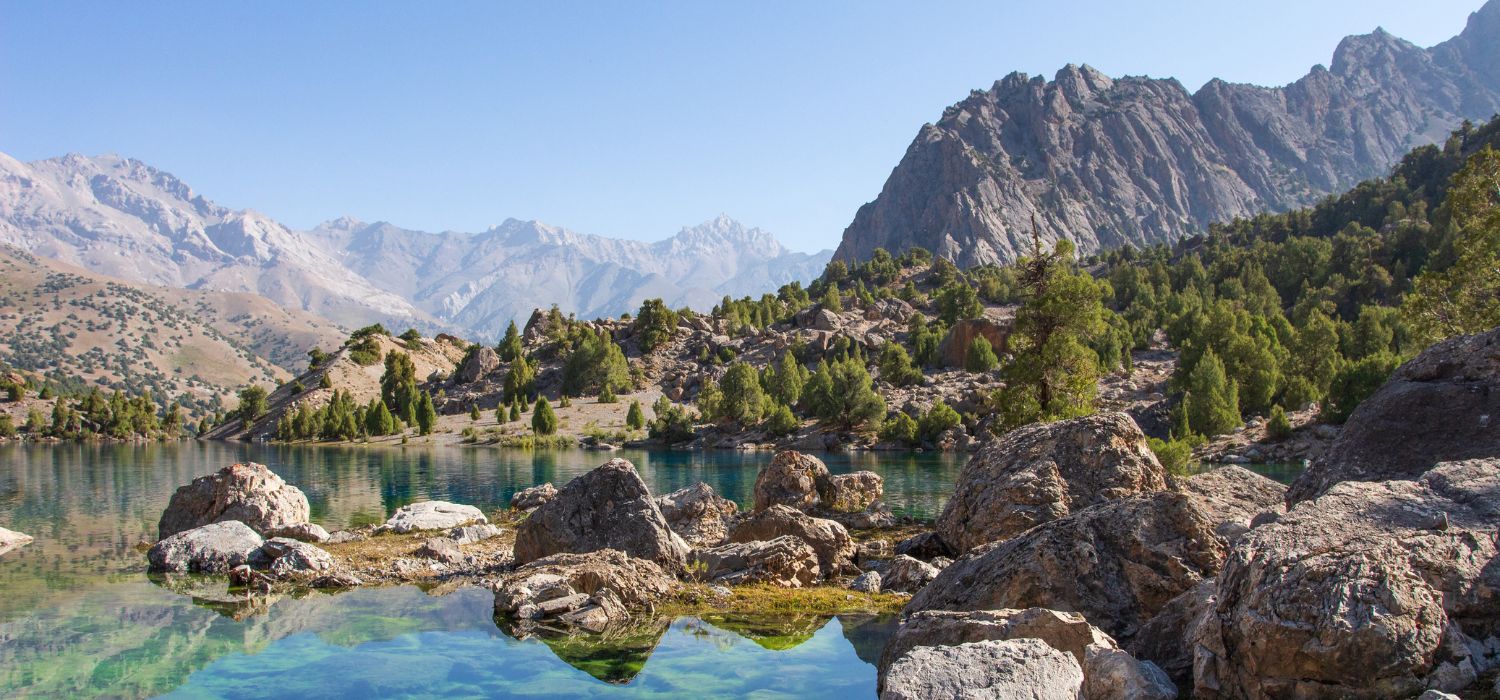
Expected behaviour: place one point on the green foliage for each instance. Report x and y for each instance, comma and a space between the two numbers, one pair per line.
902, 429
371, 330
673, 424
325, 382
896, 367
398, 386
510, 346
1211, 402
842, 393
365, 351
1465, 298
957, 301
297, 387
596, 362
607, 395
710, 400
474, 413
784, 383
655, 324
252, 403
1176, 456
743, 398
543, 420
426, 414
339, 419
925, 339
412, 339
7, 427
14, 391
515, 411
1355, 382
635, 418
378, 419
315, 358
520, 380
781, 421
980, 355
1278, 427
939, 419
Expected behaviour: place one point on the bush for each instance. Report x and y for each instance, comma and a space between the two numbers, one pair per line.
474, 413
607, 395
743, 400
365, 352
896, 368
655, 324
1176, 456
673, 424
782, 421
635, 418
1355, 382
938, 420
7, 428
1277, 425
980, 355
412, 339
543, 420
900, 428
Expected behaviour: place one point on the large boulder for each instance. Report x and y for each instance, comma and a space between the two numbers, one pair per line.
904, 574
1166, 639
529, 499
249, 493
636, 583
851, 493
1117, 563
214, 548
698, 515
787, 561
1043, 472
477, 365
10, 539
791, 479
831, 542
1371, 590
431, 515
998, 669
1113, 674
1444, 405
607, 508
287, 556
1232, 497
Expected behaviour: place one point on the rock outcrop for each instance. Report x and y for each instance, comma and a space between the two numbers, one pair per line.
831, 542
1107, 162
1232, 496
214, 548
787, 561
477, 365
698, 515
529, 499
1016, 668
586, 590
287, 556
791, 479
907, 575
1117, 563
851, 493
955, 346
249, 493
1444, 405
1374, 589
607, 508
1042, 472
1166, 641
431, 515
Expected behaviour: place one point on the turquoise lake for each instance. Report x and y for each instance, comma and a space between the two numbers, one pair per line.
79, 617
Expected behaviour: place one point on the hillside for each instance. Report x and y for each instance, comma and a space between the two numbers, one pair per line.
1108, 162
80, 330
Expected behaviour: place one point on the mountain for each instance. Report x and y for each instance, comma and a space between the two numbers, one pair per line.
85, 329
123, 218
1109, 162
480, 281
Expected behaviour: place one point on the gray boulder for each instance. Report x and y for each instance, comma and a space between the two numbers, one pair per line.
529, 499
867, 582
215, 548
831, 542
305, 532
1043, 472
477, 365
1443, 405
791, 479
998, 669
440, 549
249, 493
1374, 589
787, 561
1118, 563
638, 584
469, 534
698, 515
1113, 674
1064, 631
288, 556
904, 574
1232, 496
1166, 639
431, 515
851, 493
606, 508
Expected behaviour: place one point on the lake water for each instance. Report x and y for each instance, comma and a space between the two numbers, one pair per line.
79, 617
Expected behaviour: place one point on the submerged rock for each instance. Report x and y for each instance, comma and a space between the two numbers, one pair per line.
1118, 563
791, 480
1442, 406
786, 561
698, 515
831, 542
1015, 668
431, 515
1043, 472
249, 493
606, 508
1374, 589
214, 548
529, 499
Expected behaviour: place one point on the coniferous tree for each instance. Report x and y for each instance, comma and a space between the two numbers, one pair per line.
398, 386
896, 367
426, 414
781, 420
743, 399
474, 413
635, 418
515, 411
1465, 298
1212, 401
543, 420
519, 380
510, 346
785, 382
832, 300
655, 324
980, 355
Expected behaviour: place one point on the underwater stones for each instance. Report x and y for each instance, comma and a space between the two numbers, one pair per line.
1042, 472
249, 493
431, 515
607, 508
213, 548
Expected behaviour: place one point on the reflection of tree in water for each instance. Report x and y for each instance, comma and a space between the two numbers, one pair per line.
615, 655
774, 632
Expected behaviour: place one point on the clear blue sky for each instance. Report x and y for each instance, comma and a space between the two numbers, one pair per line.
626, 119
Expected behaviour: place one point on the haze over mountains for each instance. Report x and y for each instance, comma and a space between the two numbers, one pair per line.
123, 218
1108, 162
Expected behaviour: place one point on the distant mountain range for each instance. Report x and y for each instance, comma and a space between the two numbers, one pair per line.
123, 218
1109, 162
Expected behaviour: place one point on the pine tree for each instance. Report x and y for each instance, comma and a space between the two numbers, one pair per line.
785, 383
832, 300
635, 418
980, 355
1212, 401
510, 346
744, 400
378, 419
1464, 298
519, 380
655, 324
326, 382
426, 414
398, 385
543, 420
781, 420
474, 413
515, 411
896, 368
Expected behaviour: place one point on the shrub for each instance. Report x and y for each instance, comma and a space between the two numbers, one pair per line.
900, 428
743, 400
980, 355
1277, 425
635, 418
543, 420
673, 424
782, 421
1176, 456
938, 420
655, 324
1355, 382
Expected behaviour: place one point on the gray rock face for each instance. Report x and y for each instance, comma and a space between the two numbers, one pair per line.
305, 532
831, 542
469, 534
791, 479
606, 508
867, 582
698, 515
1064, 631
534, 497
1166, 639
432, 515
215, 548
907, 575
786, 561
1232, 497
1117, 563
289, 556
1113, 674
249, 493
1002, 670
477, 365
851, 493
1444, 405
1371, 590
1106, 162
1042, 472
10, 539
